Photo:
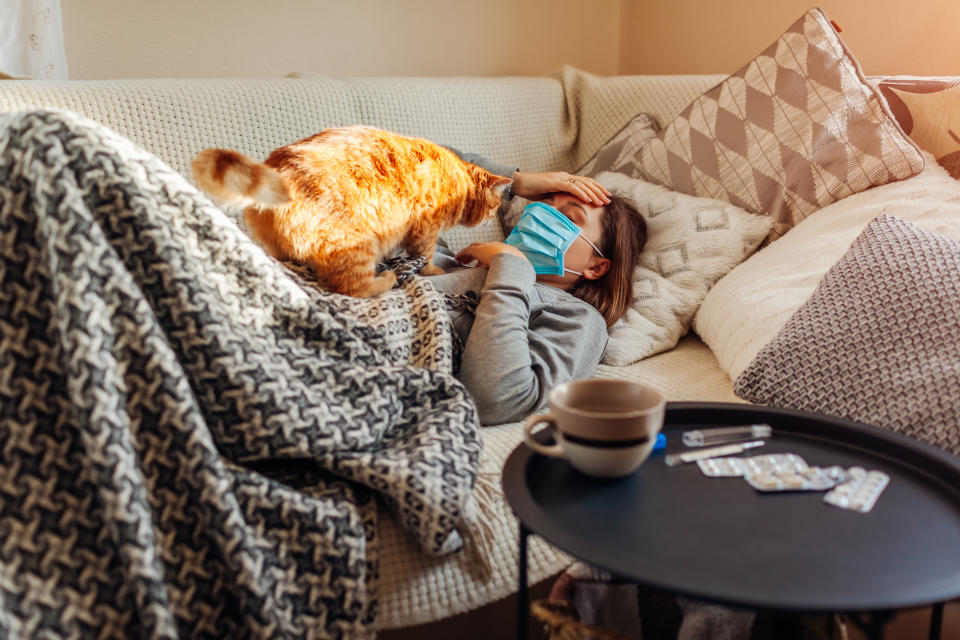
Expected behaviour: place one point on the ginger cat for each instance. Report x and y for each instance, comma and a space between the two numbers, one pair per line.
343, 199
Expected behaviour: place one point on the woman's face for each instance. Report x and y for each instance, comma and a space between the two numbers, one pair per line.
580, 256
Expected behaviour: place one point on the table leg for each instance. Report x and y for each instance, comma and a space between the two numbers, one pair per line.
936, 621
523, 595
872, 624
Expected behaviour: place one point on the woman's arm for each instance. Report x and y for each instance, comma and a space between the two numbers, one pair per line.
504, 170
512, 358
533, 185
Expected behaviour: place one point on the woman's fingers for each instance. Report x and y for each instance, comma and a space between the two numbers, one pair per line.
532, 185
465, 256
588, 190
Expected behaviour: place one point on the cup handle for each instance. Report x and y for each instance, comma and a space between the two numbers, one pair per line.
554, 450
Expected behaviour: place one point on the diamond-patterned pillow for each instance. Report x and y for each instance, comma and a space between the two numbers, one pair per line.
620, 153
876, 341
795, 129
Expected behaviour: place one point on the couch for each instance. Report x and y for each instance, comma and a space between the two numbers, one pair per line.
538, 123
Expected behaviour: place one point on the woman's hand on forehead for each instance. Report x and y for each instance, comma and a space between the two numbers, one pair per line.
536, 185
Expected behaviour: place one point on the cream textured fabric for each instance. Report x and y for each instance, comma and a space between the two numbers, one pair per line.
877, 340
539, 123
691, 243
746, 308
686, 373
601, 106
795, 129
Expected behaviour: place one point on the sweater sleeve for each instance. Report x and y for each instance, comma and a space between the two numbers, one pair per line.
504, 170
512, 358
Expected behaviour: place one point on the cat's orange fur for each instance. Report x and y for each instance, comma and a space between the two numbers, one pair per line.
345, 198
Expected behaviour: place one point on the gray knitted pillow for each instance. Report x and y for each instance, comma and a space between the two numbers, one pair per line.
877, 342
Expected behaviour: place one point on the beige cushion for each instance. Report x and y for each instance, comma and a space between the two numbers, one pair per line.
877, 340
794, 130
746, 308
928, 110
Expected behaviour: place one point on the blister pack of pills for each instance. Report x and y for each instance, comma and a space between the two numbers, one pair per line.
855, 488
769, 463
809, 479
860, 491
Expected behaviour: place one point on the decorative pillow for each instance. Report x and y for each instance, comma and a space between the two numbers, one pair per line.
691, 243
876, 342
928, 110
746, 308
620, 152
795, 129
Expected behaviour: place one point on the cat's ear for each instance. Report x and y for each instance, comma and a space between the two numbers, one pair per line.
498, 185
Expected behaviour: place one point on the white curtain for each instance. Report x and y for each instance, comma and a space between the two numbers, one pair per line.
31, 39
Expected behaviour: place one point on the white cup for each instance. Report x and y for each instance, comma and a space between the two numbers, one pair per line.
603, 427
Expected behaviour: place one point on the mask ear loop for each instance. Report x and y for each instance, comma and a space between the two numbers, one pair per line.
599, 253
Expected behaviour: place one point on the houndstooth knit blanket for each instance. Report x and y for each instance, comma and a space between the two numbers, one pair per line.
193, 439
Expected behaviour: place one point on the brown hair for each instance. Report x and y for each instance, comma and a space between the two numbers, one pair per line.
624, 232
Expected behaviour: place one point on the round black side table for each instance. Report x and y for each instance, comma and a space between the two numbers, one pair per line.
717, 539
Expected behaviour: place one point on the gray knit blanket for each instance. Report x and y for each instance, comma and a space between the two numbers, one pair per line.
193, 438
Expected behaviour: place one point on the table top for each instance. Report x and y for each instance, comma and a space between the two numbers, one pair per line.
718, 539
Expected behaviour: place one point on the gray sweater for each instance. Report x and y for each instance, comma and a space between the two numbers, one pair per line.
521, 339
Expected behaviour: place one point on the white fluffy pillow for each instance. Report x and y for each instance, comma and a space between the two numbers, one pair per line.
749, 306
691, 242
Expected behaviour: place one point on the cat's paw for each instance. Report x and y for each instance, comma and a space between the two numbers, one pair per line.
385, 281
431, 270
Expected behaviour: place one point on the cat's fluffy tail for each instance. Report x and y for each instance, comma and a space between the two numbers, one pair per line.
235, 179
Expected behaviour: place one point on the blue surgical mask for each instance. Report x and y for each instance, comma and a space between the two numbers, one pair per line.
543, 235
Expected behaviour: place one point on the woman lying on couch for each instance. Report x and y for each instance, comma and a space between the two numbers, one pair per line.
535, 312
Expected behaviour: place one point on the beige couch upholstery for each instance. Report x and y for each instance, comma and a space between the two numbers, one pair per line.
538, 123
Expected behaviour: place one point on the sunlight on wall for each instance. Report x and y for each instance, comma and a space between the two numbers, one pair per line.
691, 36
186, 38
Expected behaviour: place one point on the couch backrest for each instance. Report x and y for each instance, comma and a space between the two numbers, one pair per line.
538, 123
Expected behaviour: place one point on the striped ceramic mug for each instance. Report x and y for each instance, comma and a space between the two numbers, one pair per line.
603, 427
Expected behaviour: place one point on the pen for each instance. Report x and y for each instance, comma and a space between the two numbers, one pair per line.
712, 452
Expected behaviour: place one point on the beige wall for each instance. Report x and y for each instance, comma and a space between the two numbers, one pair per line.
206, 38
714, 36
229, 38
